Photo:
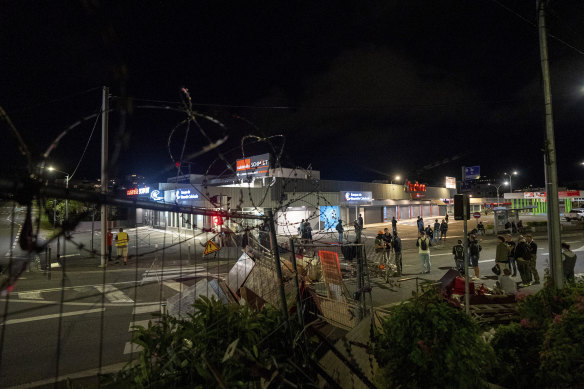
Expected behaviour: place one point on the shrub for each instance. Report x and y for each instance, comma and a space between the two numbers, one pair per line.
516, 347
429, 344
562, 354
228, 344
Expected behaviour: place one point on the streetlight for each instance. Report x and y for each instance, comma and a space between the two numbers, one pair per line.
514, 173
497, 187
397, 178
52, 169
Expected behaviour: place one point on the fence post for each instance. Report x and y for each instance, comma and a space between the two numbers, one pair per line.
298, 297
360, 282
274, 243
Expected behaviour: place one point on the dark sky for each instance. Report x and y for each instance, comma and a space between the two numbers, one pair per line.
360, 90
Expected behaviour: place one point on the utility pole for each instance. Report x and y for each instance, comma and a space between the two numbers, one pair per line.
551, 173
104, 171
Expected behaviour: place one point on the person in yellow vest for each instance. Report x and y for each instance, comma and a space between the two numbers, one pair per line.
122, 240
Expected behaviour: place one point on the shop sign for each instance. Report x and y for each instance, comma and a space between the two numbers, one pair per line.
534, 195
258, 165
356, 198
185, 194
569, 193
155, 195
415, 187
138, 191
450, 183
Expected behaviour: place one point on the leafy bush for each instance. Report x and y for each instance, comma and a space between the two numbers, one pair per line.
562, 354
429, 344
219, 345
517, 351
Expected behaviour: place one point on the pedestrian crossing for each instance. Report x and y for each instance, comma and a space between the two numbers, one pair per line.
177, 272
146, 312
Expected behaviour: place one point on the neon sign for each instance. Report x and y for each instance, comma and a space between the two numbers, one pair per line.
415, 187
138, 191
258, 165
185, 194
155, 196
356, 198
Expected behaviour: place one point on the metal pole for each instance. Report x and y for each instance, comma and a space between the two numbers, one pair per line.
465, 232
274, 242
66, 216
298, 297
104, 171
54, 213
92, 227
553, 211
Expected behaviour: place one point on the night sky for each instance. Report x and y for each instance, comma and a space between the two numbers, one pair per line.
360, 90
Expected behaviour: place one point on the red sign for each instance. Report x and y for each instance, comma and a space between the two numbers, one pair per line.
476, 215
132, 192
416, 187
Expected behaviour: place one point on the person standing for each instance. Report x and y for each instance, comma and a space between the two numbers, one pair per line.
397, 250
443, 229
420, 223
502, 254
387, 240
122, 240
568, 262
380, 247
429, 232
446, 218
423, 245
360, 220
511, 257
301, 230
532, 262
394, 225
357, 231
308, 230
340, 230
522, 256
474, 251
109, 242
458, 252
436, 231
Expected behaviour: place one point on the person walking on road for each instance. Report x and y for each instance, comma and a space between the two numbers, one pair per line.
122, 240
394, 225
340, 230
458, 252
522, 255
109, 242
397, 251
512, 261
532, 262
502, 254
420, 224
474, 255
423, 244
568, 262
443, 229
436, 231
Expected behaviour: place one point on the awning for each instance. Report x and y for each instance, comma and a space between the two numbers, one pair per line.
438, 202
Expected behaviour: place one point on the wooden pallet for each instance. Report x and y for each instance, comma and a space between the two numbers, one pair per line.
494, 313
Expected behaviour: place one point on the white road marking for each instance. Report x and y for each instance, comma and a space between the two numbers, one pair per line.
32, 295
53, 316
156, 307
113, 294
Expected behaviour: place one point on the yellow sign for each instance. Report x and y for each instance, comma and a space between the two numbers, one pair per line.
211, 247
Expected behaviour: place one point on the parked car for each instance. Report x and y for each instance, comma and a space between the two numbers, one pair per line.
575, 214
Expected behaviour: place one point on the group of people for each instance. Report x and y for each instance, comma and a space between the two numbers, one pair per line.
474, 254
387, 244
305, 231
518, 256
121, 238
438, 233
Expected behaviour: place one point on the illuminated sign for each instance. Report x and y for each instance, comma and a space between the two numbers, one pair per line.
450, 183
472, 173
258, 165
138, 191
185, 194
156, 196
356, 198
415, 187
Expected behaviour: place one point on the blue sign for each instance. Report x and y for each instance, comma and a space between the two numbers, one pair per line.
329, 216
185, 194
155, 195
472, 173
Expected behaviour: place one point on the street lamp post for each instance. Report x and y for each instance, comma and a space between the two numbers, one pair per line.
397, 178
497, 187
66, 208
514, 173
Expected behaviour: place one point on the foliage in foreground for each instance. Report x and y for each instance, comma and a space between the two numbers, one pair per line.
546, 349
219, 345
427, 343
